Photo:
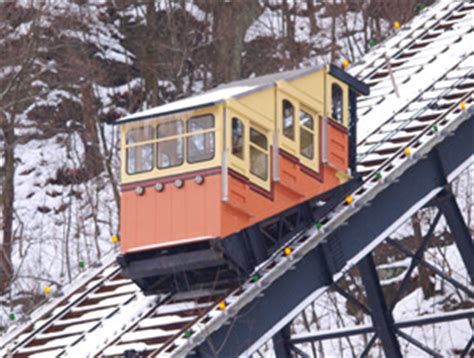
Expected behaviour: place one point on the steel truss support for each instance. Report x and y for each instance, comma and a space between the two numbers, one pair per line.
281, 343
381, 317
351, 298
433, 268
468, 346
415, 260
462, 237
364, 329
283, 347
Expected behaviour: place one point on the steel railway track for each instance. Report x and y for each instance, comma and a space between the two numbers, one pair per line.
171, 325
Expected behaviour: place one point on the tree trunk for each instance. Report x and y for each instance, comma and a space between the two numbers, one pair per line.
313, 27
231, 21
333, 33
8, 197
151, 56
93, 161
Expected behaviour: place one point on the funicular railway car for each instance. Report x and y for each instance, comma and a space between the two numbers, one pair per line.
213, 184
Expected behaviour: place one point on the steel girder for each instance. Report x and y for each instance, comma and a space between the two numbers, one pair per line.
381, 316
281, 343
291, 292
364, 329
462, 237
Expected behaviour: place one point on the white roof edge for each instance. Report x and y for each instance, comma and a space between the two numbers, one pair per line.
219, 94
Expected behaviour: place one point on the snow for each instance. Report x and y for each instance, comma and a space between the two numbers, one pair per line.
147, 334
164, 320
112, 326
409, 90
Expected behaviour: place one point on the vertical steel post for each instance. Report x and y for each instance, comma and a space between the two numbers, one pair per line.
381, 317
281, 343
461, 234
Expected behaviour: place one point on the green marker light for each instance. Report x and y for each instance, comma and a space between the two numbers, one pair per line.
255, 277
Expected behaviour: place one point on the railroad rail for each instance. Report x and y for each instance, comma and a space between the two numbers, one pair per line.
399, 133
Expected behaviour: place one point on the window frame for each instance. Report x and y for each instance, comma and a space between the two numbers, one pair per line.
174, 137
138, 144
249, 119
315, 163
341, 103
244, 129
311, 131
189, 134
153, 125
265, 151
293, 126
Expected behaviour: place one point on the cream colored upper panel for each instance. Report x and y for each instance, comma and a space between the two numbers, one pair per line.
312, 85
261, 102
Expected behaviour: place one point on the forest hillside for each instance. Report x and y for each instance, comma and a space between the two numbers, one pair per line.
69, 68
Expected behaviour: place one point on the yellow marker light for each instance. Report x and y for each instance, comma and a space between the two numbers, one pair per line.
349, 199
287, 251
396, 24
47, 290
345, 63
115, 239
407, 151
222, 305
462, 105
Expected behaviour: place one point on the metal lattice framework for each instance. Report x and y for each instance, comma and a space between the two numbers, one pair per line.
383, 326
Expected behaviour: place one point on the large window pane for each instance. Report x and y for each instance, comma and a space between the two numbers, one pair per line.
306, 120
200, 123
306, 143
258, 163
258, 157
306, 135
200, 146
169, 129
170, 153
139, 134
288, 120
139, 158
258, 138
237, 138
336, 95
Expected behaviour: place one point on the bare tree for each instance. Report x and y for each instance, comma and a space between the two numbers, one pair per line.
19, 52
